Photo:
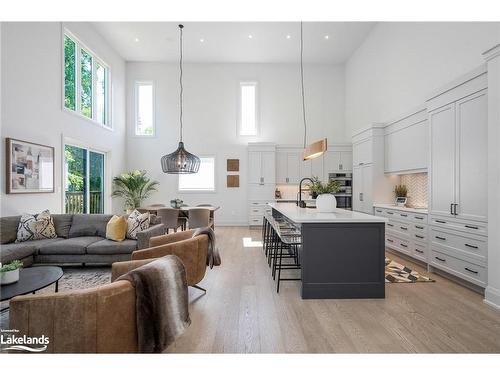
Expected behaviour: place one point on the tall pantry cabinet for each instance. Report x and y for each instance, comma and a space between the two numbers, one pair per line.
458, 209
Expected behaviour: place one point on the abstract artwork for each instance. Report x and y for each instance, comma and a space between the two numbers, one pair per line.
30, 167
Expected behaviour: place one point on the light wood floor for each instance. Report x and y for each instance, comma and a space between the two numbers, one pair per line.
242, 313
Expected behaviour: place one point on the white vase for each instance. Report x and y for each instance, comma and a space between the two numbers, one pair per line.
326, 203
9, 277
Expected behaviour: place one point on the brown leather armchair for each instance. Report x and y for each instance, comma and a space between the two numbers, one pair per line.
93, 320
191, 251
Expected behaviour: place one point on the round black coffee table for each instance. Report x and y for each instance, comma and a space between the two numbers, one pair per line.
30, 280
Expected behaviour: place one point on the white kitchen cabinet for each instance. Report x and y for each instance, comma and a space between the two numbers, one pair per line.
254, 167
261, 167
407, 144
362, 197
312, 168
442, 175
362, 152
459, 158
337, 162
345, 161
294, 159
281, 167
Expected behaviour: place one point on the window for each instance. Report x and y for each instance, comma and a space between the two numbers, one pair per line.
86, 82
144, 109
248, 108
204, 180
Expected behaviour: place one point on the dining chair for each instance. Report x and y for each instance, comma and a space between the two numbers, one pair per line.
199, 218
170, 218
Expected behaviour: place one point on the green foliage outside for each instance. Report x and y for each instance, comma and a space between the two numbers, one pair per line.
69, 73
133, 187
75, 159
14, 265
318, 187
86, 76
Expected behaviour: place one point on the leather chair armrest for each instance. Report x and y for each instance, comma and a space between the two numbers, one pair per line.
170, 238
121, 268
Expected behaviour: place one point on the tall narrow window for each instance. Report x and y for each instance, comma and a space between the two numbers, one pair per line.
69, 73
84, 185
86, 82
204, 180
248, 108
144, 109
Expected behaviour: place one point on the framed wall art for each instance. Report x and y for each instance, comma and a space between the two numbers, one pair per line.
30, 167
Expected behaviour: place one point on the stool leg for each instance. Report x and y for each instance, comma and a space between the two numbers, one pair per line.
279, 269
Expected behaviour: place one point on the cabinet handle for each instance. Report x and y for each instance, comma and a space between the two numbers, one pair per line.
402, 244
471, 227
451, 209
378, 210
404, 215
471, 271
441, 238
419, 217
390, 225
471, 246
418, 236
419, 251
455, 209
341, 167
404, 228
361, 163
389, 240
286, 179
390, 213
440, 259
419, 227
441, 221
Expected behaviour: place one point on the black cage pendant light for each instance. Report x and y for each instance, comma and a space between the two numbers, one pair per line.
180, 161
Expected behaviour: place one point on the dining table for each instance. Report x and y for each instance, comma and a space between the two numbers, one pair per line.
183, 211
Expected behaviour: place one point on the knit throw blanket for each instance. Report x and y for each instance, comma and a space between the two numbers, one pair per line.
161, 302
213, 256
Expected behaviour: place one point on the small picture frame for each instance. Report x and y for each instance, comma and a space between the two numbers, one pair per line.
30, 167
233, 181
233, 165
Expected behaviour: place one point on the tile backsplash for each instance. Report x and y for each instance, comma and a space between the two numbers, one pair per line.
417, 189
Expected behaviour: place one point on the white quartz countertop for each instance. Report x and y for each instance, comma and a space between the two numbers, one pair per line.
312, 215
398, 208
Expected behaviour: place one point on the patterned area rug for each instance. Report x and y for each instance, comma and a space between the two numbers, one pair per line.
397, 273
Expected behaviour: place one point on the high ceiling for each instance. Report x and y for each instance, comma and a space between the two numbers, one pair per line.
235, 42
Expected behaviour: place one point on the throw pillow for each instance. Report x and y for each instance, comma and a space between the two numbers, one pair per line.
137, 222
36, 227
116, 229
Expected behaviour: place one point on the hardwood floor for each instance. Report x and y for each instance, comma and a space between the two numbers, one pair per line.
242, 313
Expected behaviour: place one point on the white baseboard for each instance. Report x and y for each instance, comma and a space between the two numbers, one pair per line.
231, 224
492, 297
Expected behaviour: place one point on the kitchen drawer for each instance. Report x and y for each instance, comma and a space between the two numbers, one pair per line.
418, 218
379, 211
397, 243
461, 244
419, 228
255, 220
402, 215
419, 236
256, 210
461, 225
471, 272
419, 251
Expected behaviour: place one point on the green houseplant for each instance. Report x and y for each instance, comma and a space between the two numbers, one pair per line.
9, 273
325, 200
133, 187
401, 193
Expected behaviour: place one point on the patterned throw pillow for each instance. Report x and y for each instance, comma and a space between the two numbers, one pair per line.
36, 227
137, 222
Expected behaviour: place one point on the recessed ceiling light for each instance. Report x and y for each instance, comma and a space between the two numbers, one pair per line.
136, 39
327, 36
288, 36
202, 40
250, 36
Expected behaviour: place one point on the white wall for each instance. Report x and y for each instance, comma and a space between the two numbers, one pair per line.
210, 120
399, 64
32, 109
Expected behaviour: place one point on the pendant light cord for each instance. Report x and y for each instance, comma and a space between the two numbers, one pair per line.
180, 78
302, 82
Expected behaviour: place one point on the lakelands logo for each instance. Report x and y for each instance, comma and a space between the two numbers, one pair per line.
12, 342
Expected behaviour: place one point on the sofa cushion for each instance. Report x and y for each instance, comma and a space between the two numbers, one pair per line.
89, 225
8, 228
116, 228
137, 222
62, 222
16, 251
36, 227
77, 245
112, 247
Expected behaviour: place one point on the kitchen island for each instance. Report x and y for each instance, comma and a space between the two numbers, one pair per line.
342, 253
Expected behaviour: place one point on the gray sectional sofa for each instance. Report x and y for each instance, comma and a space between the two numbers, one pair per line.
81, 238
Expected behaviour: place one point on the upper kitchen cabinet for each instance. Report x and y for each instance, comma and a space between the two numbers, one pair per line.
338, 159
362, 151
407, 144
261, 164
288, 165
458, 161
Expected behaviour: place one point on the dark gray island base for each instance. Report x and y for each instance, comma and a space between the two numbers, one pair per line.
342, 254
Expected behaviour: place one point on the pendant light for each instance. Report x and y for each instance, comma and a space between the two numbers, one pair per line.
180, 161
317, 148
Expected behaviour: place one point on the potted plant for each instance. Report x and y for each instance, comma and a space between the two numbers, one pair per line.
133, 187
9, 273
325, 200
401, 193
